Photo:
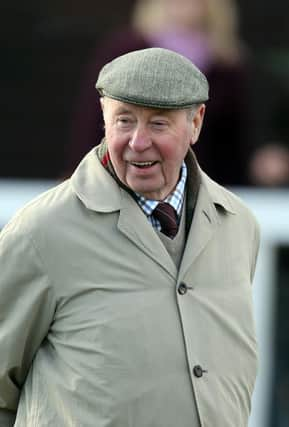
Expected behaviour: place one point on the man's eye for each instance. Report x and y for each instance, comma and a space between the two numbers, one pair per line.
124, 121
159, 124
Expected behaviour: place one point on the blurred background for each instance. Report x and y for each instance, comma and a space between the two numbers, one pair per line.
50, 57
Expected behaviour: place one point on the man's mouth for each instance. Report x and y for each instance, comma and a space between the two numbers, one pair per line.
143, 165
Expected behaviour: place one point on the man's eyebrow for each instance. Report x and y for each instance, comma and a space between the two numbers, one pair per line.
164, 111
157, 111
123, 110
161, 111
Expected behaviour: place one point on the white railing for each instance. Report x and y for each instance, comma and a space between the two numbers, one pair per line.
271, 208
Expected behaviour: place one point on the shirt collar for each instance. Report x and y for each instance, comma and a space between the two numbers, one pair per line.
175, 199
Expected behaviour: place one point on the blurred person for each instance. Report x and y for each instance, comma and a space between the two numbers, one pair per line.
269, 162
269, 165
206, 32
125, 291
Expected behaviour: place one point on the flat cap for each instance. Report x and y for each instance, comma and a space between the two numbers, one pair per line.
153, 77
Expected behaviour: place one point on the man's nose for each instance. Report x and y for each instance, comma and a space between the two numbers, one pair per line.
140, 139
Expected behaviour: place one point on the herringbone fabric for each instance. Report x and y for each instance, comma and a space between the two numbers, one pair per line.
154, 77
167, 217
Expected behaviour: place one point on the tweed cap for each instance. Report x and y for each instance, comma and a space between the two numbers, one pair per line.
153, 77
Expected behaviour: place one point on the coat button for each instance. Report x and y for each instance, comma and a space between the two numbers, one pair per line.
198, 371
182, 289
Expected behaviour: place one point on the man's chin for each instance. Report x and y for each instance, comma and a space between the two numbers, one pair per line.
150, 189
150, 194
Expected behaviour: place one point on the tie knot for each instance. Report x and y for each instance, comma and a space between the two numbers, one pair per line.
167, 217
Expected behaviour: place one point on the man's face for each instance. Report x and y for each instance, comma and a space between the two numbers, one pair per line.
147, 145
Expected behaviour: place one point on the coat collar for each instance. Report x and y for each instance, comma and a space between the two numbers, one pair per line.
94, 186
218, 195
98, 191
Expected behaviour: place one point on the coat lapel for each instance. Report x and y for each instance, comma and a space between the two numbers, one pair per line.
135, 226
204, 224
205, 221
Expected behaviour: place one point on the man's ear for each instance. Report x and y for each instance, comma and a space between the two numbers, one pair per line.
102, 106
101, 100
197, 123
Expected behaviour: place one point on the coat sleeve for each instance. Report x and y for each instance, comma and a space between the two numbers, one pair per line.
26, 312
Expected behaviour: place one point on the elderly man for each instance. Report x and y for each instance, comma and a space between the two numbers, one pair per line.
125, 292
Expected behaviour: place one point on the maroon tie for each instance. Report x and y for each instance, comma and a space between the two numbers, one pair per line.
167, 217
